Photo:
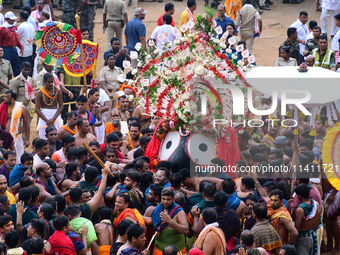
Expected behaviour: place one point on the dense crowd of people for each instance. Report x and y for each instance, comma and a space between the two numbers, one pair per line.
57, 198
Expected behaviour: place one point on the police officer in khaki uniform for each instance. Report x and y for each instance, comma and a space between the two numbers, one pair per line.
18, 85
247, 16
113, 13
6, 73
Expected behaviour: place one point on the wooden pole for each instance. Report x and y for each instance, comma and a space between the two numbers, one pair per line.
151, 241
82, 54
94, 73
94, 155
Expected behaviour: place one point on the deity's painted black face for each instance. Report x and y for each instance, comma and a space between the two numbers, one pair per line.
186, 151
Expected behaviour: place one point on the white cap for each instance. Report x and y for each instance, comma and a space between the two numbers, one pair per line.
10, 15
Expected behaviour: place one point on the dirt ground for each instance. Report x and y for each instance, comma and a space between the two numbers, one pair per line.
275, 24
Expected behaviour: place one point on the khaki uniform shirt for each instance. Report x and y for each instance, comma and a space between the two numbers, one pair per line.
282, 62
18, 85
40, 80
247, 17
5, 71
114, 9
110, 77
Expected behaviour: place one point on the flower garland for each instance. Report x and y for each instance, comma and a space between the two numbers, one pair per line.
168, 94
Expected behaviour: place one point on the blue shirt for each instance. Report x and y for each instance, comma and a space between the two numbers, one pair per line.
168, 184
119, 60
223, 24
133, 30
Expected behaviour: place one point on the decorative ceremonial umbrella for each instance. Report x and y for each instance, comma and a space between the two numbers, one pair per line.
57, 43
331, 156
90, 50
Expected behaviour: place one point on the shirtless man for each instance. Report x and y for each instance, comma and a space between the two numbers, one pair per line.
94, 106
44, 183
49, 105
129, 91
176, 226
273, 132
133, 137
153, 198
307, 219
73, 176
243, 139
71, 126
278, 215
16, 112
123, 104
83, 133
193, 184
289, 122
104, 230
144, 120
93, 116
136, 239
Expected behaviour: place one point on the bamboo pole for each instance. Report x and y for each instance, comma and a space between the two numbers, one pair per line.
94, 155
82, 54
153, 237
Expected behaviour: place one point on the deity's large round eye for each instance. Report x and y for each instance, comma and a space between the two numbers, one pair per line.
200, 149
169, 145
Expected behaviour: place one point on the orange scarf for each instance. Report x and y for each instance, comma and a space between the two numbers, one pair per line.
109, 128
122, 87
126, 213
69, 130
42, 89
130, 142
275, 215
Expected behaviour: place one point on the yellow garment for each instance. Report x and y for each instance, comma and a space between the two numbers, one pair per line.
130, 140
270, 137
104, 249
10, 198
232, 7
184, 20
139, 218
325, 62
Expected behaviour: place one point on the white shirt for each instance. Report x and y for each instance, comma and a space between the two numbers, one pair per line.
335, 41
302, 31
36, 161
2, 19
330, 4
26, 32
310, 36
162, 29
32, 21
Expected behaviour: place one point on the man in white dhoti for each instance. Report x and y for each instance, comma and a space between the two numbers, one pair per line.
48, 105
11, 115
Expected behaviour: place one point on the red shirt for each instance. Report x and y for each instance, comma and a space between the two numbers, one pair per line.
160, 20
9, 39
119, 154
